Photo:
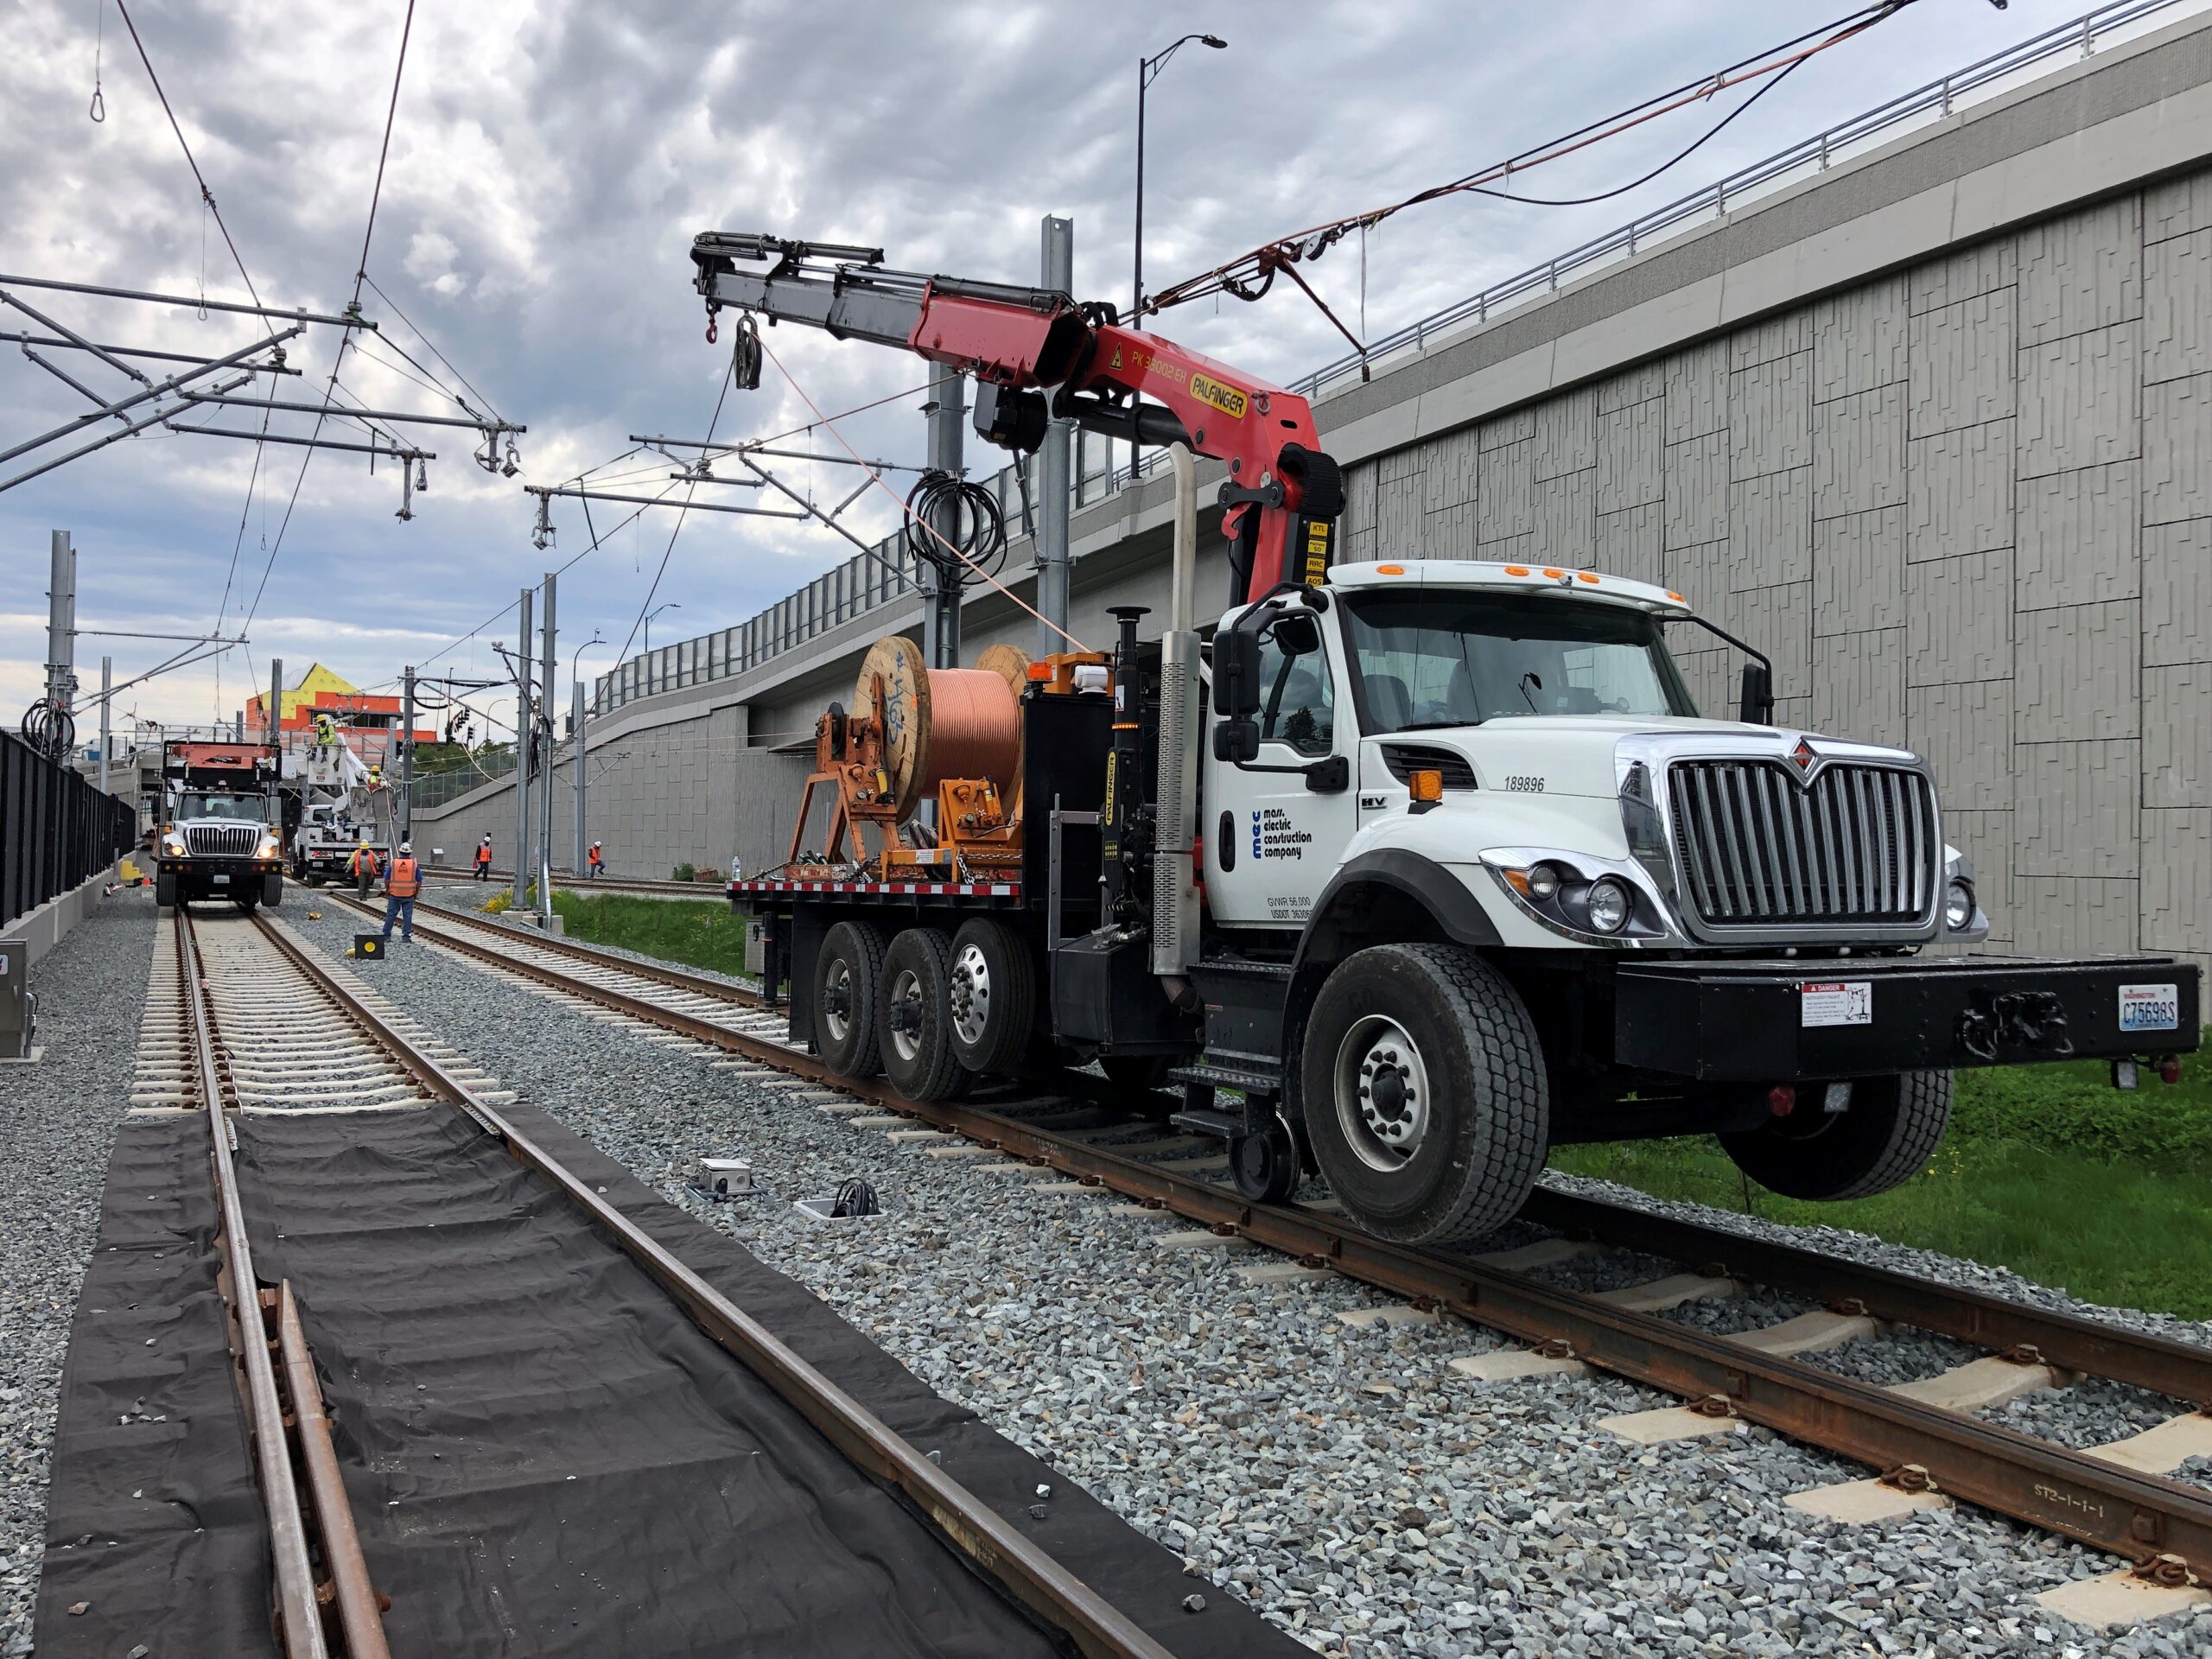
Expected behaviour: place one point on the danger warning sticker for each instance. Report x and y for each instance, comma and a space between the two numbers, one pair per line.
1841, 1002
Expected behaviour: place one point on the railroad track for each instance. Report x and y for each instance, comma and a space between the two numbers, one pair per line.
641, 885
1921, 1438
261, 1024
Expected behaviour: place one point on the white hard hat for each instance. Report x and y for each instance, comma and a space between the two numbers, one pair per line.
406, 846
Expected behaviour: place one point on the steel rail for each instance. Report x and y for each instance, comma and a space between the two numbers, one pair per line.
677, 978
585, 884
1091, 1621
360, 1610
2182, 1371
299, 1618
2141, 1517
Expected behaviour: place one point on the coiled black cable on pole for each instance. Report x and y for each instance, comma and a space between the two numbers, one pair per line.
979, 525
48, 728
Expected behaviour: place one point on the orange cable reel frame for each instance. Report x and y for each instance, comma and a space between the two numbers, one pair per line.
956, 732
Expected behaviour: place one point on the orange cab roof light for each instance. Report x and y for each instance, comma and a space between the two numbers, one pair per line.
1390, 569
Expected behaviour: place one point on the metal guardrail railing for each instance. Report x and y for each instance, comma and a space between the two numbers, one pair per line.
861, 583
56, 829
1938, 97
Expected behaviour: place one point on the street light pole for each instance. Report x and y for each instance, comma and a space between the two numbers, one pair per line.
1147, 72
578, 713
672, 605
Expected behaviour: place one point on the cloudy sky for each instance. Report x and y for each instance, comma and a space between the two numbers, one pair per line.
550, 164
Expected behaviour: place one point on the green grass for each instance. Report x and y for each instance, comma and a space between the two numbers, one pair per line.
700, 935
2047, 1170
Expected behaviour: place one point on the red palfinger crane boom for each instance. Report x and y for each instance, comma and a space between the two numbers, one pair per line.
1282, 494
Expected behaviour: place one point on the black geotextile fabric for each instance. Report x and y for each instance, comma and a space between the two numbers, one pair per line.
547, 1457
153, 1519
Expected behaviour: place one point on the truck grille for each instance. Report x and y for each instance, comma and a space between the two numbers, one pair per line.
1856, 844
222, 839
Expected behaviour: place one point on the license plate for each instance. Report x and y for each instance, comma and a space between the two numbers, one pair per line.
2150, 1008
220, 880
1842, 1002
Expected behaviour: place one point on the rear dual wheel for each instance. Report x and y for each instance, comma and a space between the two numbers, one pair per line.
924, 1010
847, 985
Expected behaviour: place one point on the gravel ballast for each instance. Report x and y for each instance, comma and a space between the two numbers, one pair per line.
57, 1120
1345, 1481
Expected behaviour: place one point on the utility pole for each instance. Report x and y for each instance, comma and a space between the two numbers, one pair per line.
523, 732
276, 700
576, 760
546, 739
407, 752
1054, 483
948, 412
107, 690
62, 626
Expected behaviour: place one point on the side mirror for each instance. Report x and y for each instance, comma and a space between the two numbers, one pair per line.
1236, 741
1754, 707
1236, 676
1297, 634
1329, 777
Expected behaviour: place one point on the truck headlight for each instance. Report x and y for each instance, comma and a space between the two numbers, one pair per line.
173, 845
1958, 905
1543, 881
267, 847
1609, 904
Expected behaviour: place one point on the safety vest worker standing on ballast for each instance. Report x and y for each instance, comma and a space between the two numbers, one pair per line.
484, 858
365, 865
401, 885
597, 861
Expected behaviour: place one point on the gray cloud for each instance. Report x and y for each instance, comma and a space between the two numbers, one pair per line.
551, 162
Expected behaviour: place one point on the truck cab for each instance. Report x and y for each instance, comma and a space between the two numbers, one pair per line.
223, 833
1479, 878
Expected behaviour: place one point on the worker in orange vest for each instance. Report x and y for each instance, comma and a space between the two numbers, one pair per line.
363, 866
484, 858
597, 861
402, 883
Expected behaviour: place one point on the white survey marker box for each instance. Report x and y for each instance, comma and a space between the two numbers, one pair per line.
1837, 1002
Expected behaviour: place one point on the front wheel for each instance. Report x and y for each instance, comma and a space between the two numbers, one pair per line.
1425, 1095
1882, 1135
165, 889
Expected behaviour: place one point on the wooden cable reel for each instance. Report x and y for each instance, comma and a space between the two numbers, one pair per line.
944, 724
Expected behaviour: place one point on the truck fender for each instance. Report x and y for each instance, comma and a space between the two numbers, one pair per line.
1386, 895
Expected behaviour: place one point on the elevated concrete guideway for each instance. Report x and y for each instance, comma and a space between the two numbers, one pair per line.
1932, 427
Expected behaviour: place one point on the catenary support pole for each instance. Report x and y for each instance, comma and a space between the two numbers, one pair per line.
576, 761
107, 690
276, 709
62, 623
1054, 484
545, 748
948, 417
407, 752
522, 748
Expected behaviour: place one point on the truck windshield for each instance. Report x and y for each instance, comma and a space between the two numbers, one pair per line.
1427, 658
247, 809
